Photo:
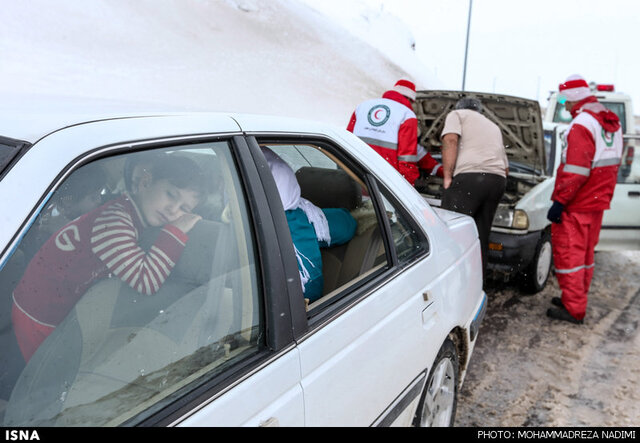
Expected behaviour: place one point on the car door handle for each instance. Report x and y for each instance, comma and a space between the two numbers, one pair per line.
428, 312
428, 298
271, 422
634, 194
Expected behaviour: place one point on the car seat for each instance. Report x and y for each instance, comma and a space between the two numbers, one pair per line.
334, 188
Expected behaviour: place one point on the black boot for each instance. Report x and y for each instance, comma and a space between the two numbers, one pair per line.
557, 301
562, 314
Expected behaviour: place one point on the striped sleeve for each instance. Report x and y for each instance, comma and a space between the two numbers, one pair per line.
114, 240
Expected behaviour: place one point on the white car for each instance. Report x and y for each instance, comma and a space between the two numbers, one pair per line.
227, 339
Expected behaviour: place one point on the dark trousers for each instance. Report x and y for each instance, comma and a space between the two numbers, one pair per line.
477, 195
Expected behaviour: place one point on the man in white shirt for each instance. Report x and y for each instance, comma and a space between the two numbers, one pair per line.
475, 166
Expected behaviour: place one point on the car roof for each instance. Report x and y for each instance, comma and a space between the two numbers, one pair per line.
32, 119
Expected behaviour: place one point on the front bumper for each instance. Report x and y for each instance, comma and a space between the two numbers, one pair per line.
511, 253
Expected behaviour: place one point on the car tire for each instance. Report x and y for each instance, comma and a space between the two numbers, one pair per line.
534, 278
439, 399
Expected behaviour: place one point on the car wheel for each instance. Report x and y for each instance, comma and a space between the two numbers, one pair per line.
535, 276
439, 399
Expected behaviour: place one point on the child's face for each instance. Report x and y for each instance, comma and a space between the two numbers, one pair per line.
162, 202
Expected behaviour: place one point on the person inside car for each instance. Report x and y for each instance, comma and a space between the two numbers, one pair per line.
311, 227
105, 242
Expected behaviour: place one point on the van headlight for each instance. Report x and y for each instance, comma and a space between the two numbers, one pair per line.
511, 218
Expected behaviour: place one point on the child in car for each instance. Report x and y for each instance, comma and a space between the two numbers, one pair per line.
104, 242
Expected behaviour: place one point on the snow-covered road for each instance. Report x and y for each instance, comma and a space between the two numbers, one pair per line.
528, 370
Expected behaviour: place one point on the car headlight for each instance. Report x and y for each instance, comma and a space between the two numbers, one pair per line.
510, 218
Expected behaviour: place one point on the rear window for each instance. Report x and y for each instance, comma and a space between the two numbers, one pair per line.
563, 116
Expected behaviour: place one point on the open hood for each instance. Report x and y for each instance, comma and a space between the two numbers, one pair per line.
519, 119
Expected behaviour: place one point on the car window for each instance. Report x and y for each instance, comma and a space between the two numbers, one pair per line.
355, 249
629, 171
618, 109
409, 242
330, 181
135, 284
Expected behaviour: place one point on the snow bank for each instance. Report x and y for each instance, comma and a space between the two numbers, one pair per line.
280, 57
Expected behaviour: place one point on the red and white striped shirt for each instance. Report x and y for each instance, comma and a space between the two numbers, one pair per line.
100, 243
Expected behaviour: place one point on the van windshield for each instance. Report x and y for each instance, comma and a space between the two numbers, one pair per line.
563, 116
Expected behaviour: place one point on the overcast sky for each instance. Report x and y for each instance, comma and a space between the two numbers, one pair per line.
526, 48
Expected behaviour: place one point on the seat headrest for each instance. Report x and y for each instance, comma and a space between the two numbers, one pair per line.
329, 188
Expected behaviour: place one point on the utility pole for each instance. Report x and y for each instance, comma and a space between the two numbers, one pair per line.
466, 49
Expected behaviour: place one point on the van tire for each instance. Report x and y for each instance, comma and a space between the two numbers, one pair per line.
534, 278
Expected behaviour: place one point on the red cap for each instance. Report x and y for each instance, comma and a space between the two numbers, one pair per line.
575, 88
406, 88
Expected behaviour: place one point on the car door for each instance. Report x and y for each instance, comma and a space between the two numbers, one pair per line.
212, 346
270, 394
372, 334
621, 223
367, 365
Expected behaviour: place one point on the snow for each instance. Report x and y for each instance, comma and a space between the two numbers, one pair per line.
283, 57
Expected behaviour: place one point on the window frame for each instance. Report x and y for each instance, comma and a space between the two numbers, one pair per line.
15, 149
352, 294
406, 214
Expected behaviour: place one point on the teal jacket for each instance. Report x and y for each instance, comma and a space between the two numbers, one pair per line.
342, 227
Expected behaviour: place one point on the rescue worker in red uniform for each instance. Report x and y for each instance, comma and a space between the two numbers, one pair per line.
428, 164
390, 127
584, 185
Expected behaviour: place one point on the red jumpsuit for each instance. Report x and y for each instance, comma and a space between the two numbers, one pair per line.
429, 164
584, 184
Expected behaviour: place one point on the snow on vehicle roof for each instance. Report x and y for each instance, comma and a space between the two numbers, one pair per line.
31, 117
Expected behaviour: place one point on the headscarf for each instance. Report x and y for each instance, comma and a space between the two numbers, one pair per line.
290, 194
289, 190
